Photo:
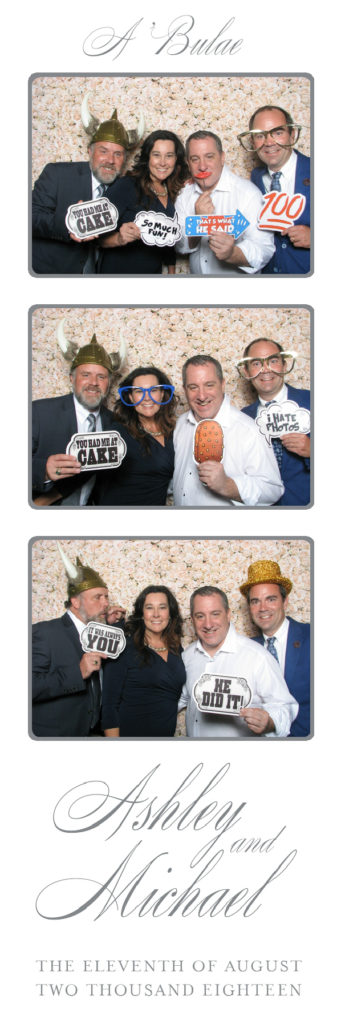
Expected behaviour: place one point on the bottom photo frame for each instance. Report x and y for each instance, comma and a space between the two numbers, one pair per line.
171, 638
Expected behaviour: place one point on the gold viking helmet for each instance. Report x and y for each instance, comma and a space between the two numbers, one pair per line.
92, 353
80, 577
265, 571
112, 130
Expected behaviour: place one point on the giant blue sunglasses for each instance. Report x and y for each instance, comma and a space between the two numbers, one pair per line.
136, 394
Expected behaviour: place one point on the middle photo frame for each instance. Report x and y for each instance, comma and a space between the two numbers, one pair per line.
165, 406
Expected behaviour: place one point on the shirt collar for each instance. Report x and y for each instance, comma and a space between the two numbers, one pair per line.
280, 397
287, 167
281, 632
82, 413
77, 622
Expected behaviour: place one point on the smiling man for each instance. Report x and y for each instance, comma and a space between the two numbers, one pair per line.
248, 473
55, 475
60, 185
265, 366
66, 682
216, 190
220, 651
287, 640
272, 137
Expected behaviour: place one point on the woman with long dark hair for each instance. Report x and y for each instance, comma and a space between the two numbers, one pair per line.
142, 687
157, 176
144, 415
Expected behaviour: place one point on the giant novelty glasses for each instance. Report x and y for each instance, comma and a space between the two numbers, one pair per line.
255, 139
133, 395
281, 364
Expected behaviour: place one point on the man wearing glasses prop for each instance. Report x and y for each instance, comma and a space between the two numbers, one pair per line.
264, 365
272, 137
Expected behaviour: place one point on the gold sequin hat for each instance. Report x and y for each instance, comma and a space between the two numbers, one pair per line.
80, 577
265, 572
112, 130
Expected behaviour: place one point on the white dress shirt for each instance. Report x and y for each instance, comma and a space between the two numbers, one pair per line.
288, 174
230, 194
238, 656
281, 637
247, 459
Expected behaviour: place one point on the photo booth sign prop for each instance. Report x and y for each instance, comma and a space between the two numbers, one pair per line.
98, 639
221, 695
229, 224
105, 449
157, 228
283, 418
91, 218
280, 210
208, 442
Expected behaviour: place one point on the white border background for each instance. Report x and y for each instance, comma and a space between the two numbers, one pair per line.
290, 784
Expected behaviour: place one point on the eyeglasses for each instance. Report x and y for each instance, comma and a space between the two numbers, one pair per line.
133, 395
255, 139
281, 364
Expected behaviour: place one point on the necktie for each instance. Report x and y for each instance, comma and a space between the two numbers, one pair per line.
95, 693
100, 191
276, 444
275, 185
91, 420
270, 644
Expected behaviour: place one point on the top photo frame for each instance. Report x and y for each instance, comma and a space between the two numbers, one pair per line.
173, 175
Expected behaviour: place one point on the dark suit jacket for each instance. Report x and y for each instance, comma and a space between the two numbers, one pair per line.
295, 470
59, 185
287, 259
62, 699
53, 423
297, 672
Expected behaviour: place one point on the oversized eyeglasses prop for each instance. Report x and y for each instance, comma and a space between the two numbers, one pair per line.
255, 139
251, 367
133, 395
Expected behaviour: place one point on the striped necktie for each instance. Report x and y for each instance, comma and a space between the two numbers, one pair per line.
270, 646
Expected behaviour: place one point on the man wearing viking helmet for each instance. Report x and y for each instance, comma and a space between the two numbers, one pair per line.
61, 185
66, 682
55, 475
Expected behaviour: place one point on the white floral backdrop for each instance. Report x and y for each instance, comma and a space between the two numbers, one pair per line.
166, 337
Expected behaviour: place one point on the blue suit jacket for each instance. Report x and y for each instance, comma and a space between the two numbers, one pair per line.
287, 259
295, 470
297, 672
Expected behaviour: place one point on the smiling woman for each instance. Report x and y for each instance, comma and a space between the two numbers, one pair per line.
158, 174
145, 417
142, 688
